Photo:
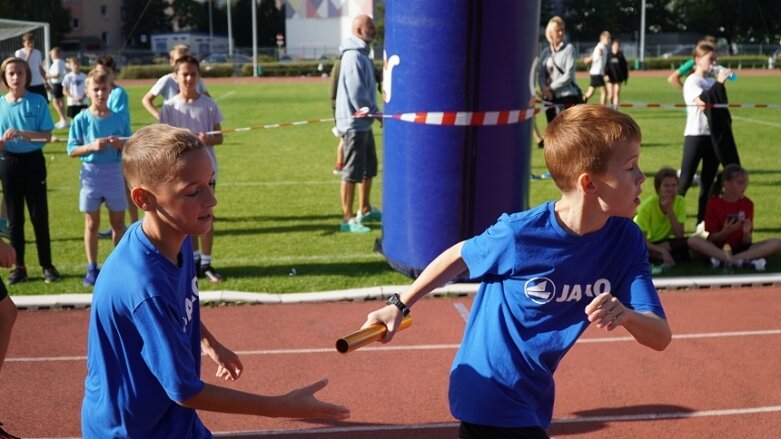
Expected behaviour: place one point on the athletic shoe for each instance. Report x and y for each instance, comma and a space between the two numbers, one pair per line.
50, 274
91, 277
105, 234
373, 215
758, 264
18, 274
211, 274
715, 263
353, 226
6, 435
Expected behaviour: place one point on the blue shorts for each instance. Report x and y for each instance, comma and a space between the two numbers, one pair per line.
99, 183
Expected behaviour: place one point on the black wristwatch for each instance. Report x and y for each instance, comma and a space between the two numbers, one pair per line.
395, 300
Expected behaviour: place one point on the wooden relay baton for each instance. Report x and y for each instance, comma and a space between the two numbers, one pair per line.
366, 336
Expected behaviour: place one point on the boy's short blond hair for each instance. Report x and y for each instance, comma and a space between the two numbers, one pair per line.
581, 139
178, 51
152, 155
98, 76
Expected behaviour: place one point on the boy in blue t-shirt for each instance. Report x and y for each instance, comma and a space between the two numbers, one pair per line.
96, 137
145, 331
546, 274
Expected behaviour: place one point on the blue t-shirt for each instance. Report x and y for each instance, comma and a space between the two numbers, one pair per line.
536, 280
86, 127
143, 350
31, 113
118, 103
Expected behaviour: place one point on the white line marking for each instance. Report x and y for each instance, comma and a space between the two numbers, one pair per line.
224, 96
463, 311
673, 415
421, 347
757, 121
331, 430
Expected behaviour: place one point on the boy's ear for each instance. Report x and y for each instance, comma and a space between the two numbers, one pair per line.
142, 198
585, 184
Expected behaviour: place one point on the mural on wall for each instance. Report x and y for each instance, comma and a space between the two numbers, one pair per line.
302, 9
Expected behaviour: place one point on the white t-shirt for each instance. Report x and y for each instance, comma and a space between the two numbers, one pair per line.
73, 83
696, 122
34, 61
598, 60
168, 88
57, 68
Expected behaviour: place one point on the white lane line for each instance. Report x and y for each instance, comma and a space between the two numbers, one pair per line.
422, 347
463, 311
672, 415
757, 121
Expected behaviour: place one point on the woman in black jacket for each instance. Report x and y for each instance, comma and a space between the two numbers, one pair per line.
617, 72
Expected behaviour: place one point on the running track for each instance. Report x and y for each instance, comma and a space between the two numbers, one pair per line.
719, 378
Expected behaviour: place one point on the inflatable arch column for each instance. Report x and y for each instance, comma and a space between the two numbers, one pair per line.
442, 184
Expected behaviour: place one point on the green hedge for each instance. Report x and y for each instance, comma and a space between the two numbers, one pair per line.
310, 68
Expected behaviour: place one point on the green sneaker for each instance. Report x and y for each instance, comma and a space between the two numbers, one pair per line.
353, 226
372, 215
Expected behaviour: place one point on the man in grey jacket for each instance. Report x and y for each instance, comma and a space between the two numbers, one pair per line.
357, 89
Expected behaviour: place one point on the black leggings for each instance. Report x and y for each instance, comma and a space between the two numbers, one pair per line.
696, 149
24, 180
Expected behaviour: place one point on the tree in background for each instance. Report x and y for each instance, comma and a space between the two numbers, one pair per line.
47, 11
271, 21
141, 19
737, 21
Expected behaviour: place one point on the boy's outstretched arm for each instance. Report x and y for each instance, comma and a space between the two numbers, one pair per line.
299, 403
441, 270
646, 327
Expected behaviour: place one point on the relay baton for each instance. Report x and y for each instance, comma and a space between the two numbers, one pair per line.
365, 336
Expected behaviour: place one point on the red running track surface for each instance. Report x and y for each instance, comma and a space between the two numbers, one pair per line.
719, 378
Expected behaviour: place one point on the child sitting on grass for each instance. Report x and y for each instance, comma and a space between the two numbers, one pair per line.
729, 223
661, 217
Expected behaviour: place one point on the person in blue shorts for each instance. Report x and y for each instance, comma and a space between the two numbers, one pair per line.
145, 336
96, 138
547, 274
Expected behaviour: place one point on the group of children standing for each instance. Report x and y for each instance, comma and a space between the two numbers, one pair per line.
607, 72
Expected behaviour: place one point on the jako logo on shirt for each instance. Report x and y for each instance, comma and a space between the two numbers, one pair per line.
188, 304
542, 290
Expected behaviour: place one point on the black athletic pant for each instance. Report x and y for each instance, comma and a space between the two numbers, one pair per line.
696, 149
474, 431
24, 181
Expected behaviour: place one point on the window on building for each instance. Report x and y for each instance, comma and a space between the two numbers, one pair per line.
76, 24
104, 37
103, 12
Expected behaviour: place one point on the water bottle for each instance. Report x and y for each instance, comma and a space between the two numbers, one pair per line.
718, 68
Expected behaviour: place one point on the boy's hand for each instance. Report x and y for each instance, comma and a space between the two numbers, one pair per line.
229, 365
730, 225
607, 311
301, 403
390, 316
115, 142
9, 134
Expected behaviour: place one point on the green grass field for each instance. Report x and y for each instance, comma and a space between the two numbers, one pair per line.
278, 201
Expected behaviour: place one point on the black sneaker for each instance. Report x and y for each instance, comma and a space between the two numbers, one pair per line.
50, 274
210, 273
105, 234
18, 274
6, 435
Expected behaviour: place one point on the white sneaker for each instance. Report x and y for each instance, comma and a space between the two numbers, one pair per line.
715, 263
759, 264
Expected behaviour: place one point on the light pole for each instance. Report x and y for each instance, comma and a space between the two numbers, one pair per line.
230, 31
642, 33
211, 29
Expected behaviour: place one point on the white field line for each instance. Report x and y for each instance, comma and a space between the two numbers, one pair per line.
757, 121
224, 96
422, 347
